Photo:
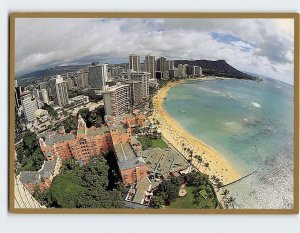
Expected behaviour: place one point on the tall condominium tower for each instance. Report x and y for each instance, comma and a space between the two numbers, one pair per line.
135, 93
182, 70
134, 62
98, 75
70, 83
83, 80
43, 95
150, 66
116, 100
59, 91
18, 91
162, 64
171, 65
29, 106
139, 76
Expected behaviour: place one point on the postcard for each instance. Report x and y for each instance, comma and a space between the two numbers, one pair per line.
154, 113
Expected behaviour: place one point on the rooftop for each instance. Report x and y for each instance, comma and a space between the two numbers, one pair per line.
96, 131
34, 177
142, 186
163, 162
126, 157
124, 151
131, 163
52, 138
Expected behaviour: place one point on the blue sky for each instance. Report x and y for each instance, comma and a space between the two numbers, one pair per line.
263, 46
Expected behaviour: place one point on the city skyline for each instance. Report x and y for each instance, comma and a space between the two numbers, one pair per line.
262, 46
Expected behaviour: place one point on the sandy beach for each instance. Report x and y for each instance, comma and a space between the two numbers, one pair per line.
181, 139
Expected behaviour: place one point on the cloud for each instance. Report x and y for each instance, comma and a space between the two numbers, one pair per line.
264, 46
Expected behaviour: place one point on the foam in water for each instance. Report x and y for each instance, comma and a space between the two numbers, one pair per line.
257, 105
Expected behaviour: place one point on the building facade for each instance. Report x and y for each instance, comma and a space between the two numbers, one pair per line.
29, 106
115, 136
98, 76
162, 64
150, 65
182, 70
144, 77
59, 91
135, 93
194, 71
82, 80
134, 63
116, 100
171, 65
43, 94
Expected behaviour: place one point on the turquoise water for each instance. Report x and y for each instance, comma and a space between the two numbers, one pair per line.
234, 116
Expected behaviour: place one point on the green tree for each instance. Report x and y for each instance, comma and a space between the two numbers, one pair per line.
66, 189
30, 141
168, 190
69, 124
50, 110
157, 202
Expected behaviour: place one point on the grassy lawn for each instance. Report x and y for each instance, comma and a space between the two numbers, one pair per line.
187, 202
152, 143
184, 202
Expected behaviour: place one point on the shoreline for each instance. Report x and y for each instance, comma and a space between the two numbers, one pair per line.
176, 135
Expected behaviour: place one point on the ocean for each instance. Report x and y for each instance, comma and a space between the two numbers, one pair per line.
252, 125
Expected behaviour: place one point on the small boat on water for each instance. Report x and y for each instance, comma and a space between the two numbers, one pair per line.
182, 111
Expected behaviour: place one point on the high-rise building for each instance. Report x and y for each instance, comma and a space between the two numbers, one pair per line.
43, 85
150, 65
116, 99
173, 73
134, 63
43, 95
36, 93
98, 76
70, 83
135, 93
194, 71
59, 91
162, 64
139, 76
83, 80
116, 71
171, 65
18, 92
29, 106
182, 70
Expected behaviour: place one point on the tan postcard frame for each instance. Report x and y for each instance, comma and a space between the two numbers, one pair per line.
12, 19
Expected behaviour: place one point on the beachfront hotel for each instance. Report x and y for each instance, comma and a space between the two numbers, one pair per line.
116, 99
85, 143
134, 62
139, 76
150, 65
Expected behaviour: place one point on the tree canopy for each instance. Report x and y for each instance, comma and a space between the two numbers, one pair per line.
92, 118
29, 154
83, 186
50, 110
69, 124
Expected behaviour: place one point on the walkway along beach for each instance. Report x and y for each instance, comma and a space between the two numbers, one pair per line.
181, 139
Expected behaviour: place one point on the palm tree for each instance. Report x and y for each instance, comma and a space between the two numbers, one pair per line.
206, 165
213, 177
230, 202
225, 193
219, 184
200, 160
191, 155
